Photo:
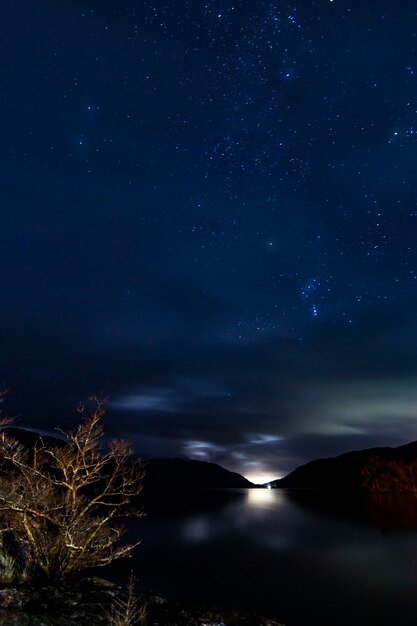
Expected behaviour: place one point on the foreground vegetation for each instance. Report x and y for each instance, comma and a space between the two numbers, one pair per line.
389, 475
59, 504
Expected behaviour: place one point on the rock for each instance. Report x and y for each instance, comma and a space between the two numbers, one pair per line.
156, 600
16, 618
53, 606
178, 614
89, 602
10, 597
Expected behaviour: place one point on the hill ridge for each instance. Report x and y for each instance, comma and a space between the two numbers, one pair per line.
382, 468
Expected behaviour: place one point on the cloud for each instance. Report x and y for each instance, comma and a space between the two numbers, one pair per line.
202, 449
276, 402
262, 439
154, 399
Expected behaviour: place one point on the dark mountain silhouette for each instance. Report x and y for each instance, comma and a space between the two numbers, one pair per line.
28, 438
173, 487
161, 474
375, 469
191, 474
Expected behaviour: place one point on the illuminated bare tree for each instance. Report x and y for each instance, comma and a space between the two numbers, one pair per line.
59, 504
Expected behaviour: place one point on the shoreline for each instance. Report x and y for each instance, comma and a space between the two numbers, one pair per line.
90, 601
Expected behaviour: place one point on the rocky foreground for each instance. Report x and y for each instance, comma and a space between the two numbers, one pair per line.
89, 603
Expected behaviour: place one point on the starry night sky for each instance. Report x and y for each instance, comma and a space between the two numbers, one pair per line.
209, 212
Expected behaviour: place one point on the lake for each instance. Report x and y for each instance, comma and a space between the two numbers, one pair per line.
309, 559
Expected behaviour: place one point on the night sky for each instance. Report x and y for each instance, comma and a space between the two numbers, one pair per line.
208, 211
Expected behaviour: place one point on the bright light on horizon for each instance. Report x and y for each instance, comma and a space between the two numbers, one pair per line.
261, 479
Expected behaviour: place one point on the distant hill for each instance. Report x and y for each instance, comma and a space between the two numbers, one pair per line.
190, 474
161, 474
374, 469
29, 437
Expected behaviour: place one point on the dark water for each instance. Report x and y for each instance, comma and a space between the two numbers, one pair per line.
309, 559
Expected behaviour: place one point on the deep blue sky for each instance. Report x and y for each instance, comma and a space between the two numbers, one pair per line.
209, 212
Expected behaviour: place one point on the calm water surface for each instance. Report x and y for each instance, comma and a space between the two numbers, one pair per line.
309, 559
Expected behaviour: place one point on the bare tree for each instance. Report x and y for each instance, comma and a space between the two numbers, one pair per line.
59, 504
127, 611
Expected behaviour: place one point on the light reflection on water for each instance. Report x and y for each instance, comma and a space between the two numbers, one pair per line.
307, 560
264, 498
197, 529
204, 527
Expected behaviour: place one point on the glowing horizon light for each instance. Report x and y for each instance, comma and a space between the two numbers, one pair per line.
262, 479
